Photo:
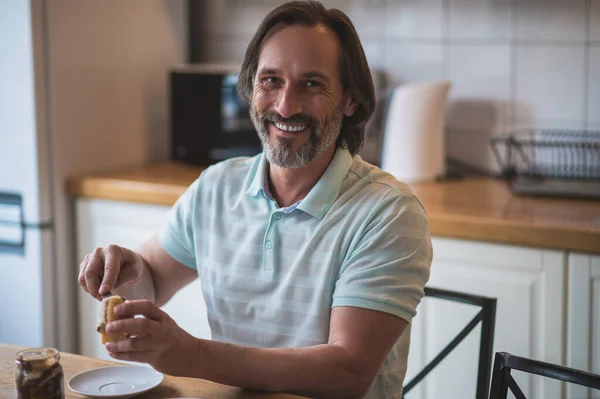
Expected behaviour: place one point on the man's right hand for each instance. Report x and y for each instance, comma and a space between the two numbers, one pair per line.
108, 268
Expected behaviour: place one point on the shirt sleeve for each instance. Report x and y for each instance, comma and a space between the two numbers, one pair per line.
177, 234
389, 266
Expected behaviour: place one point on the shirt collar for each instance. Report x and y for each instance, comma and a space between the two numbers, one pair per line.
322, 196
258, 176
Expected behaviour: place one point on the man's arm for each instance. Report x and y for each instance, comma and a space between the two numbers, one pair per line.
359, 341
161, 278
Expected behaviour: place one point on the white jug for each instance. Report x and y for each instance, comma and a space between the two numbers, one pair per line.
413, 145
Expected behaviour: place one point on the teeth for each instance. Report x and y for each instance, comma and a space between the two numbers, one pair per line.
290, 128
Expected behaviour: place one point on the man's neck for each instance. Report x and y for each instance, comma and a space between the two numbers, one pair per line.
289, 186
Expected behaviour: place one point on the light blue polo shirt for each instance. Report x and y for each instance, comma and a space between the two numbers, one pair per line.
270, 275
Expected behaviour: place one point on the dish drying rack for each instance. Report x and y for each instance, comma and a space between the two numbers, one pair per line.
550, 162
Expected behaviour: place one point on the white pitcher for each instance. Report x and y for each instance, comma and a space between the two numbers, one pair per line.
413, 146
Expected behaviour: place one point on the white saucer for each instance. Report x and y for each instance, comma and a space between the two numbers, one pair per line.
115, 381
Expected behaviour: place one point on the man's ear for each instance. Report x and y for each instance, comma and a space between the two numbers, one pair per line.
350, 105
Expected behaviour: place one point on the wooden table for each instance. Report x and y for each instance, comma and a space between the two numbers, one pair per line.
171, 387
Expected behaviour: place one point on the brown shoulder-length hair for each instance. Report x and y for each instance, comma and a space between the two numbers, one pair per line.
356, 76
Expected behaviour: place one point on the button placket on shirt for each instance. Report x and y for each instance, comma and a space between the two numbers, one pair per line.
268, 242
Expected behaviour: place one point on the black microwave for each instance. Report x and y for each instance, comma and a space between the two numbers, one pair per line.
209, 121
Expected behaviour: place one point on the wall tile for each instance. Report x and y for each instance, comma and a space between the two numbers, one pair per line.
226, 50
593, 113
236, 18
481, 19
368, 16
594, 16
551, 20
546, 123
480, 71
471, 148
593, 125
479, 101
241, 18
416, 19
480, 97
409, 62
373, 51
550, 83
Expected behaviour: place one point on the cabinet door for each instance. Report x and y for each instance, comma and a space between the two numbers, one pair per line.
583, 333
528, 284
101, 223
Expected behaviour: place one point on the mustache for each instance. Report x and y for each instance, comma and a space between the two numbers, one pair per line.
297, 119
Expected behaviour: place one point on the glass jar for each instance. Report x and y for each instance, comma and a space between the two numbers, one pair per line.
39, 374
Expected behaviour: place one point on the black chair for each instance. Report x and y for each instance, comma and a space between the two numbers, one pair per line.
487, 317
502, 380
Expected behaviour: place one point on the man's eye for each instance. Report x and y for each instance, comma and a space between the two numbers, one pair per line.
270, 80
313, 83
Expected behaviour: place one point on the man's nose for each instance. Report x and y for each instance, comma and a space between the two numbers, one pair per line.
288, 103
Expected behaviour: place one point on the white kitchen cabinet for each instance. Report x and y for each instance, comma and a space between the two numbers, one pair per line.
583, 333
100, 223
529, 285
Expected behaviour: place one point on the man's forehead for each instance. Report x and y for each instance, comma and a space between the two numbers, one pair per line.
307, 50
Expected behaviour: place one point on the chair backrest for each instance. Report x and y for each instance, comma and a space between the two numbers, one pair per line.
487, 317
502, 380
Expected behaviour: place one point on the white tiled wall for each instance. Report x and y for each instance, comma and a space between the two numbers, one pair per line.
559, 20
513, 63
414, 19
367, 24
411, 62
595, 21
594, 85
473, 19
480, 100
550, 83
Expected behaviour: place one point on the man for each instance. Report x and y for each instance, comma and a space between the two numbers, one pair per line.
312, 261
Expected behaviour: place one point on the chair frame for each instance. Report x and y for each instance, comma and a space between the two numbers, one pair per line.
487, 317
502, 380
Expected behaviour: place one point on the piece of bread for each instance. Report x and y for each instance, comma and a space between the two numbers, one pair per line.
106, 315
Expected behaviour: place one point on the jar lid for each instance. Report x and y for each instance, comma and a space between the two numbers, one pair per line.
36, 354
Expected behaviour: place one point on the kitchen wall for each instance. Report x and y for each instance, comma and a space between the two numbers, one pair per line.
513, 63
106, 65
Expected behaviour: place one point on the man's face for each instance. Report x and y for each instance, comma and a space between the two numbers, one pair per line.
297, 105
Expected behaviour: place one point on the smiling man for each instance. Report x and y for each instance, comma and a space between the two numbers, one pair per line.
312, 261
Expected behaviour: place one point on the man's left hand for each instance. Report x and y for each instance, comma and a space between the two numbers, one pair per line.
155, 339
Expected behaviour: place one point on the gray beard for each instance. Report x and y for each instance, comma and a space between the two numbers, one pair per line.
280, 151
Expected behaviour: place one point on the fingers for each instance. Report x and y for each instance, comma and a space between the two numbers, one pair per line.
134, 326
99, 270
112, 266
137, 344
92, 272
140, 357
140, 307
81, 278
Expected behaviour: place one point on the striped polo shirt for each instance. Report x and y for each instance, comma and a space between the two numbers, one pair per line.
270, 275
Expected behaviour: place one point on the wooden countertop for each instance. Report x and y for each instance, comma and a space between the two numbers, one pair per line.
170, 387
480, 209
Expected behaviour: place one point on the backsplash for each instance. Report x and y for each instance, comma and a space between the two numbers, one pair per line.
512, 63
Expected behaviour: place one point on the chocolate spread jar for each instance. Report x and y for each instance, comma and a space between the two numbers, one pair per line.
39, 374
